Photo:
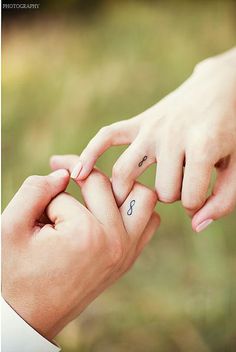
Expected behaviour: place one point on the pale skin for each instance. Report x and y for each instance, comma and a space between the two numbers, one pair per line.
189, 133
58, 254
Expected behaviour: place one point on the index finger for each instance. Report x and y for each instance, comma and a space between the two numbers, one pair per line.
119, 133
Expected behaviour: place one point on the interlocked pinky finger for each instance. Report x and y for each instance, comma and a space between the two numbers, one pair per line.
130, 165
136, 212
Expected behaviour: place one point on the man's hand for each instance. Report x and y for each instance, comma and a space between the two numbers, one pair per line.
59, 255
188, 133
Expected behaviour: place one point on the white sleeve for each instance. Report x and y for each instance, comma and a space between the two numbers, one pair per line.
17, 335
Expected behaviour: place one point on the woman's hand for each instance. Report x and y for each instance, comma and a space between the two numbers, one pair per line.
59, 255
188, 133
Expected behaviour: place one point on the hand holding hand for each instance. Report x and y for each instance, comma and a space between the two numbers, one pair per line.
59, 255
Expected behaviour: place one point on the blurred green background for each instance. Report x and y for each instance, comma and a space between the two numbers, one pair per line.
69, 69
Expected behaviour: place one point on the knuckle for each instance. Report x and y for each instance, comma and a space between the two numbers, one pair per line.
198, 154
167, 198
85, 236
191, 204
98, 177
225, 207
152, 196
32, 180
204, 149
119, 170
38, 182
116, 252
105, 131
75, 226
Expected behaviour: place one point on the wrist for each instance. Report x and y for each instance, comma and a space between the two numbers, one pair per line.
25, 337
40, 319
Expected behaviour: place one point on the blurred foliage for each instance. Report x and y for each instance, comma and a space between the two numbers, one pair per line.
65, 75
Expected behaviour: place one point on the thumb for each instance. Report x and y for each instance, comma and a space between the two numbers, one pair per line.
32, 198
222, 201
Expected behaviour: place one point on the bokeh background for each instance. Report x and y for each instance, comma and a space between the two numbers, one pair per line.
72, 67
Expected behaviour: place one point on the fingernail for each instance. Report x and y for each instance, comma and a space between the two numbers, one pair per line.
76, 171
82, 174
203, 225
59, 173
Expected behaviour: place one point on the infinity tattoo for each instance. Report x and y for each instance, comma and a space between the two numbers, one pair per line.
142, 161
130, 210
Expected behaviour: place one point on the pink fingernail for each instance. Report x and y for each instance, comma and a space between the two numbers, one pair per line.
82, 174
76, 171
203, 225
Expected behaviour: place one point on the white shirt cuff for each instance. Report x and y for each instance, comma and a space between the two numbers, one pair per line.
17, 335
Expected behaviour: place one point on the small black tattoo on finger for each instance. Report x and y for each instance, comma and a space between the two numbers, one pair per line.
131, 206
142, 161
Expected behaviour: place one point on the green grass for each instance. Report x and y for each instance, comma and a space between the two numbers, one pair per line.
63, 79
